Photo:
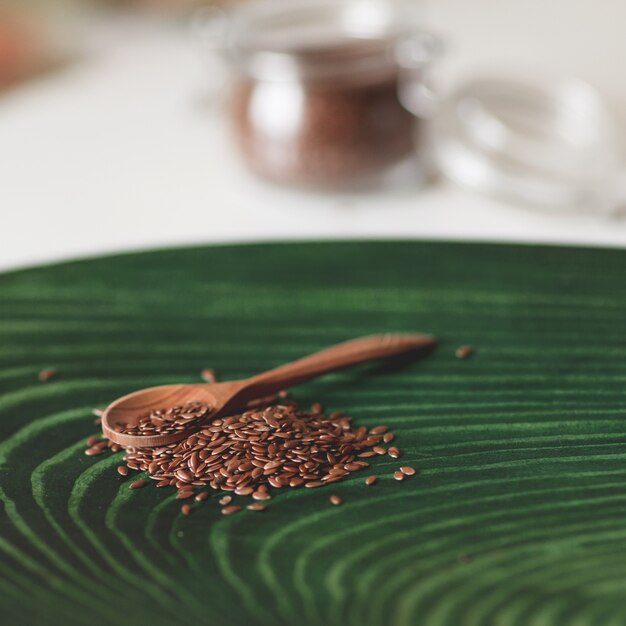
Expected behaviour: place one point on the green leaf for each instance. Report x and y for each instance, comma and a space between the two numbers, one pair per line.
515, 518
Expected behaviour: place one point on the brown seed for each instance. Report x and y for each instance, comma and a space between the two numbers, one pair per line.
94, 451
186, 509
393, 452
336, 500
201, 497
370, 480
257, 506
229, 510
208, 375
464, 352
388, 438
398, 475
47, 374
92, 441
122, 470
407, 470
317, 408
225, 500
184, 495
267, 444
379, 430
138, 484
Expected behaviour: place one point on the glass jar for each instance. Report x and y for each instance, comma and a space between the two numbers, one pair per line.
318, 89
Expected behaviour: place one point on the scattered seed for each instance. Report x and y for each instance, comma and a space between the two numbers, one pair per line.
208, 375
272, 444
257, 506
122, 470
138, 484
464, 352
47, 374
186, 509
379, 430
229, 510
184, 495
370, 480
407, 470
393, 452
398, 475
336, 500
92, 441
388, 438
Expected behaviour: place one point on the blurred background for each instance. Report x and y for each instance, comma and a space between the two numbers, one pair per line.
128, 124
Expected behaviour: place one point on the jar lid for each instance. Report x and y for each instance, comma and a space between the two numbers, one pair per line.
548, 143
314, 39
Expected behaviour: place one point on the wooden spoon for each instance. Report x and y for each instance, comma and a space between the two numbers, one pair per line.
228, 396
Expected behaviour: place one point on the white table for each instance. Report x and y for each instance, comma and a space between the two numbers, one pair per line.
121, 150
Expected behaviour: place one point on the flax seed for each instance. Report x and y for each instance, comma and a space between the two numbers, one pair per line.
138, 484
257, 506
388, 438
275, 445
122, 470
47, 374
378, 430
229, 510
393, 452
186, 509
184, 495
336, 500
208, 375
464, 352
407, 470
370, 480
398, 475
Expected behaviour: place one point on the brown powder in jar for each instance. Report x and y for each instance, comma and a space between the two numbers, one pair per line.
343, 133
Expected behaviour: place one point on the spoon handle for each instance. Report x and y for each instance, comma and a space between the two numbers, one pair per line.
332, 359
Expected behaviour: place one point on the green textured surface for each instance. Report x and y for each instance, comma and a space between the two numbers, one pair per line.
517, 518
